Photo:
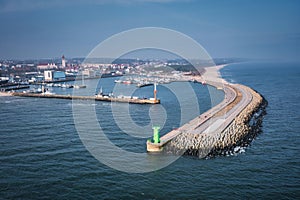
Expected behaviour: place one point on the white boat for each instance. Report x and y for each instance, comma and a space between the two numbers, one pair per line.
48, 92
126, 82
100, 94
79, 86
66, 86
57, 85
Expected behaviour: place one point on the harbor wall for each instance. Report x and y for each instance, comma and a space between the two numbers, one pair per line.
238, 134
96, 98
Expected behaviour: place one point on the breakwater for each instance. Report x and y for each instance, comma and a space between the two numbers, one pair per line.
18, 87
96, 98
236, 134
222, 130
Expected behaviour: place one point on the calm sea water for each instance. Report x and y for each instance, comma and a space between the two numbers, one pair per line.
42, 156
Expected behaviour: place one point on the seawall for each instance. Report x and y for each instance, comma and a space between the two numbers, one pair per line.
96, 98
237, 134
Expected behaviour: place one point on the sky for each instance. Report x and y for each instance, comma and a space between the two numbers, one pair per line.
255, 29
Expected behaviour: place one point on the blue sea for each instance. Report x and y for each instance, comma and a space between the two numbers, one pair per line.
42, 156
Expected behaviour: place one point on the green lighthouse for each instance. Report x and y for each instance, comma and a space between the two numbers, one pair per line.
156, 137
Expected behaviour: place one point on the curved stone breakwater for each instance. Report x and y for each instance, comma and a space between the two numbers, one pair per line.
238, 134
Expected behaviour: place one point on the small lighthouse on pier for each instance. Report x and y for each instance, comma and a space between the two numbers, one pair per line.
155, 100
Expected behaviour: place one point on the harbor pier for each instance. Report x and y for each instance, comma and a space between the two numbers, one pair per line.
96, 98
219, 129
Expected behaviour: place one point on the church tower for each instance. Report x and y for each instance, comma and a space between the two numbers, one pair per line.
63, 61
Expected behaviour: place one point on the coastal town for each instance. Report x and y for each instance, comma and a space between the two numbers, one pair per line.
40, 78
18, 75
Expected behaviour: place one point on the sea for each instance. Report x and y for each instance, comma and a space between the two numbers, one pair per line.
42, 155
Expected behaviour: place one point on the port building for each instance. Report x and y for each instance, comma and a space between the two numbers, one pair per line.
51, 75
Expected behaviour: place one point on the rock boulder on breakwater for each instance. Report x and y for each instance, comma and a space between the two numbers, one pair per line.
237, 135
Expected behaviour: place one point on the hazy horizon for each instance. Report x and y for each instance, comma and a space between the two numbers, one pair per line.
265, 30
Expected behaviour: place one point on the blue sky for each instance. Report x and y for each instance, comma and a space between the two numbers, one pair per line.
225, 28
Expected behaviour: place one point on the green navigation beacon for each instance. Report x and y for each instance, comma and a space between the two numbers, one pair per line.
156, 137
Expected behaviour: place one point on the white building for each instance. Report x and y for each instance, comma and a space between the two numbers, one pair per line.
89, 73
48, 75
46, 66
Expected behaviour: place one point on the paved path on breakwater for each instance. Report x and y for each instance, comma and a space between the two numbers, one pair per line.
203, 121
215, 120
